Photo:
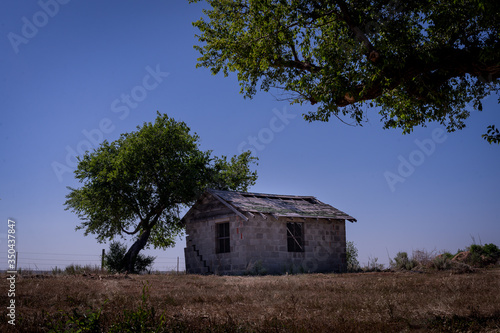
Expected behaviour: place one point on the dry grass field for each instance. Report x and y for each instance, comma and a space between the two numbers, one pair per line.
360, 302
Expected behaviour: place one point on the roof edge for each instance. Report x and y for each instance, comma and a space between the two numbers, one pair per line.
225, 203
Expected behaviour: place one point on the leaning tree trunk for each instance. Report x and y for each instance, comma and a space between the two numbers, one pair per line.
131, 255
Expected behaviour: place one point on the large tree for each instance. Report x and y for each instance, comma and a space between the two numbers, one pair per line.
417, 61
137, 184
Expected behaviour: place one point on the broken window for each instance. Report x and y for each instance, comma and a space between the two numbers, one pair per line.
222, 237
295, 238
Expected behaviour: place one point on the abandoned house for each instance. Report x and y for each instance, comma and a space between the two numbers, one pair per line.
231, 232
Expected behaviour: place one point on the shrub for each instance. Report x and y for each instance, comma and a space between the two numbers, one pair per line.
352, 257
423, 258
113, 261
484, 255
442, 261
402, 262
256, 268
448, 255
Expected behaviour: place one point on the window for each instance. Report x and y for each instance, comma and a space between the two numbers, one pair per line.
294, 236
222, 230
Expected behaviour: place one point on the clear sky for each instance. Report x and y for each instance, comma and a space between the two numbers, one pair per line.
77, 72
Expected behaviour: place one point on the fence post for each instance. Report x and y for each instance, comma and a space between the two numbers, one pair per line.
177, 265
102, 259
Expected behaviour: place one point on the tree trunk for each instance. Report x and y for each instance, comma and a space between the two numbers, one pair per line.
131, 255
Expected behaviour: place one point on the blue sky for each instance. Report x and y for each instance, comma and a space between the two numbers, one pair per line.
92, 70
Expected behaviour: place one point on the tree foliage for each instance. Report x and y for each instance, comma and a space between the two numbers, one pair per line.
416, 61
137, 184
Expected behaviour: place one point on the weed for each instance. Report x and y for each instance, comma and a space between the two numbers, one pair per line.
90, 321
56, 270
79, 269
373, 265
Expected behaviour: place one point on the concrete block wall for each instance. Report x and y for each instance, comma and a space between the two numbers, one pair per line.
262, 243
324, 246
201, 236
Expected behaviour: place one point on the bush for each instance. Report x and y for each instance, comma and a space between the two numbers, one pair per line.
256, 268
442, 261
402, 262
352, 257
483, 255
448, 255
113, 261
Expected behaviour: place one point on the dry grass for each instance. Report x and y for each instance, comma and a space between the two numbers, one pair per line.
388, 302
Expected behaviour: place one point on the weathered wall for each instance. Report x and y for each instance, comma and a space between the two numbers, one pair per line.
200, 234
324, 246
260, 245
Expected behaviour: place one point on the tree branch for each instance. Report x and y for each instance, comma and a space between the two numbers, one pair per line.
372, 54
302, 65
135, 230
450, 63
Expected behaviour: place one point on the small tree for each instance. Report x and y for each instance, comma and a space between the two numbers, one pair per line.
352, 257
137, 184
114, 260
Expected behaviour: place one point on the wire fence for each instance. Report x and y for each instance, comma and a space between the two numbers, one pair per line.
49, 261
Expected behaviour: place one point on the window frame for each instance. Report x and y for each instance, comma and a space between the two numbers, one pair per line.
222, 237
295, 236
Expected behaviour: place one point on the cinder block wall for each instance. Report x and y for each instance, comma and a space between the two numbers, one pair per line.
324, 246
259, 245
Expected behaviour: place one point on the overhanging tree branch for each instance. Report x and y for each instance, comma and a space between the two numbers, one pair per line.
425, 61
372, 54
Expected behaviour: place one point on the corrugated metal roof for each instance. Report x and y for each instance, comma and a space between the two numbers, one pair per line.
280, 205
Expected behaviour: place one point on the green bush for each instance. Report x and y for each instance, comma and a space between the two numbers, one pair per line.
352, 257
443, 261
113, 261
484, 255
448, 255
403, 262
255, 268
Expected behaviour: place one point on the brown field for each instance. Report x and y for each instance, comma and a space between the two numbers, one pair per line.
361, 302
